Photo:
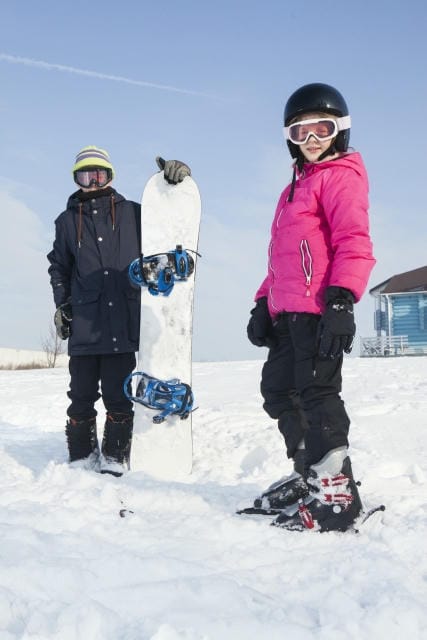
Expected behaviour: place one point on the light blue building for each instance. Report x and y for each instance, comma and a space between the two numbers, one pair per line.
400, 316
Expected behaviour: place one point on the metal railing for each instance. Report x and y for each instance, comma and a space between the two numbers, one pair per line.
383, 346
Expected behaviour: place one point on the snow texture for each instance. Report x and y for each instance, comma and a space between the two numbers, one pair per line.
183, 566
170, 217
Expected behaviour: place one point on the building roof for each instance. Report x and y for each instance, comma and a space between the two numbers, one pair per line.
415, 280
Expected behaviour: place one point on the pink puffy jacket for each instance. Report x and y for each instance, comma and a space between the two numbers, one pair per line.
321, 238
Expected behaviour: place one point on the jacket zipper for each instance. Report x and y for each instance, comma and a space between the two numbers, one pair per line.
270, 249
307, 264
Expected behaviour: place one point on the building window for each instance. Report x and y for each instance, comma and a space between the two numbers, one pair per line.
422, 312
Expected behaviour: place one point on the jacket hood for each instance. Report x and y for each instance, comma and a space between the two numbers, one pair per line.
108, 199
352, 160
80, 196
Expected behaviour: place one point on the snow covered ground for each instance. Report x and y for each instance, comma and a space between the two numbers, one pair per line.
183, 566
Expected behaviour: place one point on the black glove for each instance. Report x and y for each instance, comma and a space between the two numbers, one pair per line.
63, 317
174, 170
336, 327
260, 327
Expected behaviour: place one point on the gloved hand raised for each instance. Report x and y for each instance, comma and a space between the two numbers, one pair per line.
336, 327
260, 327
174, 170
63, 317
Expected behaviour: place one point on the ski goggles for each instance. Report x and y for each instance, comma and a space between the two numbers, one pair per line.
96, 176
321, 128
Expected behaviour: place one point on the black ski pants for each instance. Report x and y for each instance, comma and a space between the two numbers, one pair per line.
88, 373
302, 391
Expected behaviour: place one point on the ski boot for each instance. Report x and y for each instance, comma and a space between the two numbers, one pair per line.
82, 443
116, 443
286, 491
282, 494
333, 503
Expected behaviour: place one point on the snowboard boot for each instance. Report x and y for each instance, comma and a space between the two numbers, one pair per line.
333, 503
286, 491
116, 443
82, 443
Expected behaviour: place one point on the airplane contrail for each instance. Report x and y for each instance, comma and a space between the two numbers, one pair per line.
49, 66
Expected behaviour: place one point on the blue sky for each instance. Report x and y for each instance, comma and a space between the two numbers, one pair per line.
211, 81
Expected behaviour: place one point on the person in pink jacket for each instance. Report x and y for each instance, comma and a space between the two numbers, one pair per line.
319, 261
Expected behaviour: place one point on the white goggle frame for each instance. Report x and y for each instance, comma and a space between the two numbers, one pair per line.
340, 124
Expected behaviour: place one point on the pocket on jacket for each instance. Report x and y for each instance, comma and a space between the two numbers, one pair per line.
306, 264
85, 297
86, 326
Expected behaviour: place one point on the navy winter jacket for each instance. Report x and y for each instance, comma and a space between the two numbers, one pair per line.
96, 238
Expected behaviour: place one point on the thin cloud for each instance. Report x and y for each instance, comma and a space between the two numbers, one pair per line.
48, 66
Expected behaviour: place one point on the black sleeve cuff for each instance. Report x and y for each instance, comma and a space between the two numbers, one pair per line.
339, 293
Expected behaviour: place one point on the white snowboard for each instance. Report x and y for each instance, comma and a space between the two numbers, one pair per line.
170, 217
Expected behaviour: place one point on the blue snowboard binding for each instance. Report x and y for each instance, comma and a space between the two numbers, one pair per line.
172, 397
160, 271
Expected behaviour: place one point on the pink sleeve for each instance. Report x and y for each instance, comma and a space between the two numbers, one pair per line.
345, 202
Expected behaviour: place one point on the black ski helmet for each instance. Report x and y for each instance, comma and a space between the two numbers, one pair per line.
317, 97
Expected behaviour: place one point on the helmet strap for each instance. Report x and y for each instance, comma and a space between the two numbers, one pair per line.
298, 164
330, 151
294, 179
301, 160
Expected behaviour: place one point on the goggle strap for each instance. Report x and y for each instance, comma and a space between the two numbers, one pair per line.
344, 123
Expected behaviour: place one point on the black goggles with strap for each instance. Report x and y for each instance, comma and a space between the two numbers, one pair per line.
93, 177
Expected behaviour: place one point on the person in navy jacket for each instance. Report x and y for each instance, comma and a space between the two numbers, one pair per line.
98, 310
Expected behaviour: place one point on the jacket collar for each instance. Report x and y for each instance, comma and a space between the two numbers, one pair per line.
79, 197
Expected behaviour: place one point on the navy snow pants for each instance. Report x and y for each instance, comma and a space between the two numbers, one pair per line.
88, 372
